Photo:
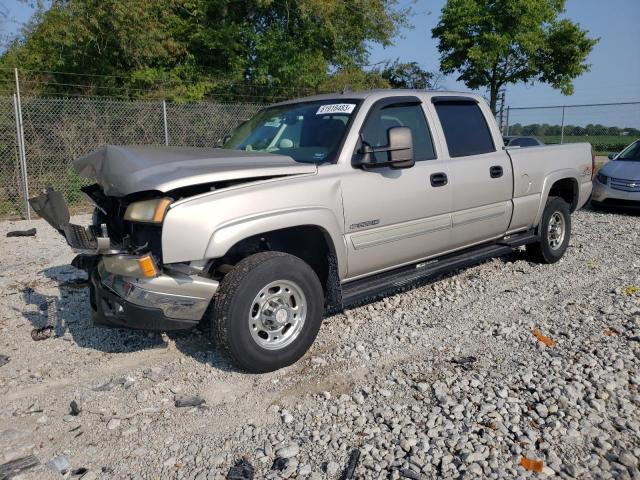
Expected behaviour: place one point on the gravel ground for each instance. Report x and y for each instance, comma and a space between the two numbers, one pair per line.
470, 376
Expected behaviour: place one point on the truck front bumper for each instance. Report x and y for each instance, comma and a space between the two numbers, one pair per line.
172, 301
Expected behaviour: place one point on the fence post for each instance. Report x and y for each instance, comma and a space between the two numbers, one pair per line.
166, 128
17, 106
562, 127
507, 126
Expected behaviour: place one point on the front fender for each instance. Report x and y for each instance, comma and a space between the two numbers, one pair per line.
207, 225
230, 233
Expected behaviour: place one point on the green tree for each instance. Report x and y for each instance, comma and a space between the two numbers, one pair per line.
406, 75
492, 43
185, 49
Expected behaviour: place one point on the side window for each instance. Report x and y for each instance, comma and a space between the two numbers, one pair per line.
524, 142
465, 129
380, 121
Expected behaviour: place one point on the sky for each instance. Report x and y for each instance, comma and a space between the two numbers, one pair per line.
615, 60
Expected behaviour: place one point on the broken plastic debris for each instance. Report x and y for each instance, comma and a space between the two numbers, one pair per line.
280, 464
3, 360
22, 233
350, 470
549, 342
465, 362
532, 465
42, 333
75, 407
188, 401
14, 467
242, 470
410, 474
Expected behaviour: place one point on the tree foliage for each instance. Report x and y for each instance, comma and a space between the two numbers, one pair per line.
589, 130
407, 75
188, 48
492, 43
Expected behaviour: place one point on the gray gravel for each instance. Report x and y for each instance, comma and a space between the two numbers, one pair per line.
446, 380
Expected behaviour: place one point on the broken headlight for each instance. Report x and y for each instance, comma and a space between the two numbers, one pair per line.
148, 211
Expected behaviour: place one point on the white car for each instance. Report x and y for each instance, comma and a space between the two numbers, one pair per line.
617, 184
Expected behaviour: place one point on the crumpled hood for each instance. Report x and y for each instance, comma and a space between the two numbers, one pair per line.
122, 170
622, 169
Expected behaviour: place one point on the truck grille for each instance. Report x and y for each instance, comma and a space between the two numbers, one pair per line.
625, 185
81, 238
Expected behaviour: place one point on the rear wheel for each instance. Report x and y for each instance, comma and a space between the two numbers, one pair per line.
268, 311
555, 230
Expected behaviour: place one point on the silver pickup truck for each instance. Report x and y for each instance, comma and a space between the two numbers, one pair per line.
312, 205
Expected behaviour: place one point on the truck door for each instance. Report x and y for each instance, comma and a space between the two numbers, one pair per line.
396, 216
480, 172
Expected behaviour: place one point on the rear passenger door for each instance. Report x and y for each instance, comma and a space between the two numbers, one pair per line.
480, 172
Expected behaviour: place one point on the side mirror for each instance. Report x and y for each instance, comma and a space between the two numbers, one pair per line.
399, 150
612, 155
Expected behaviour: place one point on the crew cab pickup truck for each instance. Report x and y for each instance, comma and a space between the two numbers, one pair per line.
311, 206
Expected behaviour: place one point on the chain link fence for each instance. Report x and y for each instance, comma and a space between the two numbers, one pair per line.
608, 127
59, 130
11, 192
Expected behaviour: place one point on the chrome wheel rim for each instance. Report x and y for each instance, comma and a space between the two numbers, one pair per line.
556, 230
277, 314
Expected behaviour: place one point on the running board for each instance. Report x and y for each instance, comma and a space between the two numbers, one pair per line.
358, 291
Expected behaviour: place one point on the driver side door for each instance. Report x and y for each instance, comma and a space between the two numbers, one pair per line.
395, 216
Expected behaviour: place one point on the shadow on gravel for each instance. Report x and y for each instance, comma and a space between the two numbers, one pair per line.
510, 257
604, 209
70, 311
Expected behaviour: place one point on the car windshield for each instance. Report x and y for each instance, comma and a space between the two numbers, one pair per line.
632, 152
309, 132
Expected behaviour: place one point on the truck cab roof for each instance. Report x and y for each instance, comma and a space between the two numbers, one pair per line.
378, 94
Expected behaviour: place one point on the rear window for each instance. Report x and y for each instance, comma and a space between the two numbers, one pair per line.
465, 129
523, 142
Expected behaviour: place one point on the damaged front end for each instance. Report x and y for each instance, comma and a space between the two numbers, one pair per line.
121, 252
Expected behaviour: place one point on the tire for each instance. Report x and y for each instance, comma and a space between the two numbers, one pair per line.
267, 311
555, 231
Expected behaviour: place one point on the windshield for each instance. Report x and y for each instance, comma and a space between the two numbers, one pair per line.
632, 152
309, 132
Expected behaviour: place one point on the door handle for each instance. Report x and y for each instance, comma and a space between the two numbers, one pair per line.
496, 171
439, 179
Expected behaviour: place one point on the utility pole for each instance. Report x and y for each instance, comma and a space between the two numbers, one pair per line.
166, 126
21, 149
502, 111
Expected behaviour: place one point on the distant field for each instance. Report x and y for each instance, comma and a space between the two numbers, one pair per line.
602, 144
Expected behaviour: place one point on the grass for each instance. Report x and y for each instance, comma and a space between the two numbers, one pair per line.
602, 144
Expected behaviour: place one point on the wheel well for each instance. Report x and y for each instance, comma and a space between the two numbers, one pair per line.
567, 189
307, 242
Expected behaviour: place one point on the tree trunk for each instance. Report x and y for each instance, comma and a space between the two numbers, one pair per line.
494, 88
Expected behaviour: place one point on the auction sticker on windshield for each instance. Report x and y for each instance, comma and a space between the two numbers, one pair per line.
336, 108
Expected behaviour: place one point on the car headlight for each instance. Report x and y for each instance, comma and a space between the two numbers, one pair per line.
602, 178
149, 211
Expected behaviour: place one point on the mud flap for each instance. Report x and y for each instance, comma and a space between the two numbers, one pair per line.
51, 206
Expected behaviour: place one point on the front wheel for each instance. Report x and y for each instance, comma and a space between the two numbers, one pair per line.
555, 230
268, 311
